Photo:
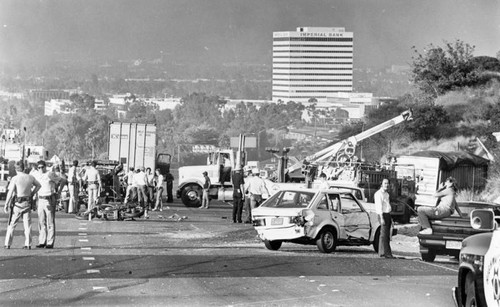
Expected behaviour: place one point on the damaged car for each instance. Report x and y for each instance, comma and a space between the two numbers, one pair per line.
327, 218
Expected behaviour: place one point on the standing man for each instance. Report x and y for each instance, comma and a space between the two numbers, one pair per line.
141, 179
73, 186
46, 206
21, 187
130, 185
151, 186
205, 201
238, 193
159, 191
256, 188
169, 178
383, 209
93, 180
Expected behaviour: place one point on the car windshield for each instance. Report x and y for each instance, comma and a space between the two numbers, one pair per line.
289, 199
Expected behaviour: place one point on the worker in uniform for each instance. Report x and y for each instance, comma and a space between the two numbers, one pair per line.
141, 179
46, 205
169, 178
129, 193
73, 186
22, 188
93, 180
238, 193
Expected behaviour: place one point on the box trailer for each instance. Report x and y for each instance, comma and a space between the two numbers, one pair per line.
133, 144
433, 167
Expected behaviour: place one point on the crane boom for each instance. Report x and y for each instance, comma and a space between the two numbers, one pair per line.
345, 149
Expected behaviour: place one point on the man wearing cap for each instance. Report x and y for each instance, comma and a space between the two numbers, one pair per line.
238, 193
256, 188
46, 205
206, 186
23, 187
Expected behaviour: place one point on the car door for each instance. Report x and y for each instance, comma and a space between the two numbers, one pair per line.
356, 220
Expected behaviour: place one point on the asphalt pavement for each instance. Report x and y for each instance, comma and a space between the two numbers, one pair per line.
198, 257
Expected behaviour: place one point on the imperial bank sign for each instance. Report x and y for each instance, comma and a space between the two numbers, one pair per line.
311, 34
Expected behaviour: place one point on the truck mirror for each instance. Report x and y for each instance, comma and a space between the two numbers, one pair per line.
482, 219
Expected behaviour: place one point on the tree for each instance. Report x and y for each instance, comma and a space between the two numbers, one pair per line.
428, 122
439, 70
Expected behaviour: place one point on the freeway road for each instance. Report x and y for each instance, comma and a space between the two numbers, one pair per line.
205, 260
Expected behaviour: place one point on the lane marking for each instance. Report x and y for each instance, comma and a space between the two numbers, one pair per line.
100, 289
439, 266
82, 233
85, 248
82, 228
89, 258
93, 271
83, 240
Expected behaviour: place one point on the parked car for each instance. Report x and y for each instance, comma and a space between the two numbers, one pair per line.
478, 271
326, 218
448, 233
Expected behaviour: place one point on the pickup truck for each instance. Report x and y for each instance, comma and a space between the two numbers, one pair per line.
448, 233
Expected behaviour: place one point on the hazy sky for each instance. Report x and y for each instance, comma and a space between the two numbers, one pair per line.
235, 30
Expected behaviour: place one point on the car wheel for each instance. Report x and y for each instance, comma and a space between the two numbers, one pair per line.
470, 291
327, 241
376, 240
272, 245
429, 256
191, 195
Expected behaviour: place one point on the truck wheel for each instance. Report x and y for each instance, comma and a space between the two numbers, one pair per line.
429, 256
272, 245
191, 195
376, 240
327, 241
470, 291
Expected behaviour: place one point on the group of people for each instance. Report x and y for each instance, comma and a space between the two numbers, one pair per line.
148, 188
446, 205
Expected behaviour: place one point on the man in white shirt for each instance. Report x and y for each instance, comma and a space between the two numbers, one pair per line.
256, 188
130, 184
73, 186
93, 180
46, 205
141, 179
383, 209
23, 187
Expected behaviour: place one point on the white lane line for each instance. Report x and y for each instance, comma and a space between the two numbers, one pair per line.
100, 289
82, 228
439, 266
88, 258
83, 240
93, 272
86, 248
82, 233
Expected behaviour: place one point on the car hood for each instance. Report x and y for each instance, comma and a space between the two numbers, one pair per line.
266, 211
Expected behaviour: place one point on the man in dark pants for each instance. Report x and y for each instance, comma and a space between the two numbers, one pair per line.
383, 209
169, 179
238, 194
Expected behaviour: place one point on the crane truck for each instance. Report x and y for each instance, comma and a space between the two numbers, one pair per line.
342, 167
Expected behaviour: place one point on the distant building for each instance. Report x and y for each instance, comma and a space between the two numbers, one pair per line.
60, 106
44, 95
312, 64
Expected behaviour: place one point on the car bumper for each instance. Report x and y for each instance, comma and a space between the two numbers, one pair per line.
281, 234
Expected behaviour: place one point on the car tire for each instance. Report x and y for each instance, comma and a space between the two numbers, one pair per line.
191, 195
470, 291
429, 256
327, 241
272, 245
376, 240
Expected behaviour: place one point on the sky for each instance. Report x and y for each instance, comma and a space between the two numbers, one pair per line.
222, 31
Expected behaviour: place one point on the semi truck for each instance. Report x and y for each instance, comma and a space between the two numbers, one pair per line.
134, 145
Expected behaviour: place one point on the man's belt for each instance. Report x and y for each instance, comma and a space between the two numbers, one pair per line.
45, 197
22, 199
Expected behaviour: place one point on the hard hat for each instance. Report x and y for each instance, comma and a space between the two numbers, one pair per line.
256, 171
